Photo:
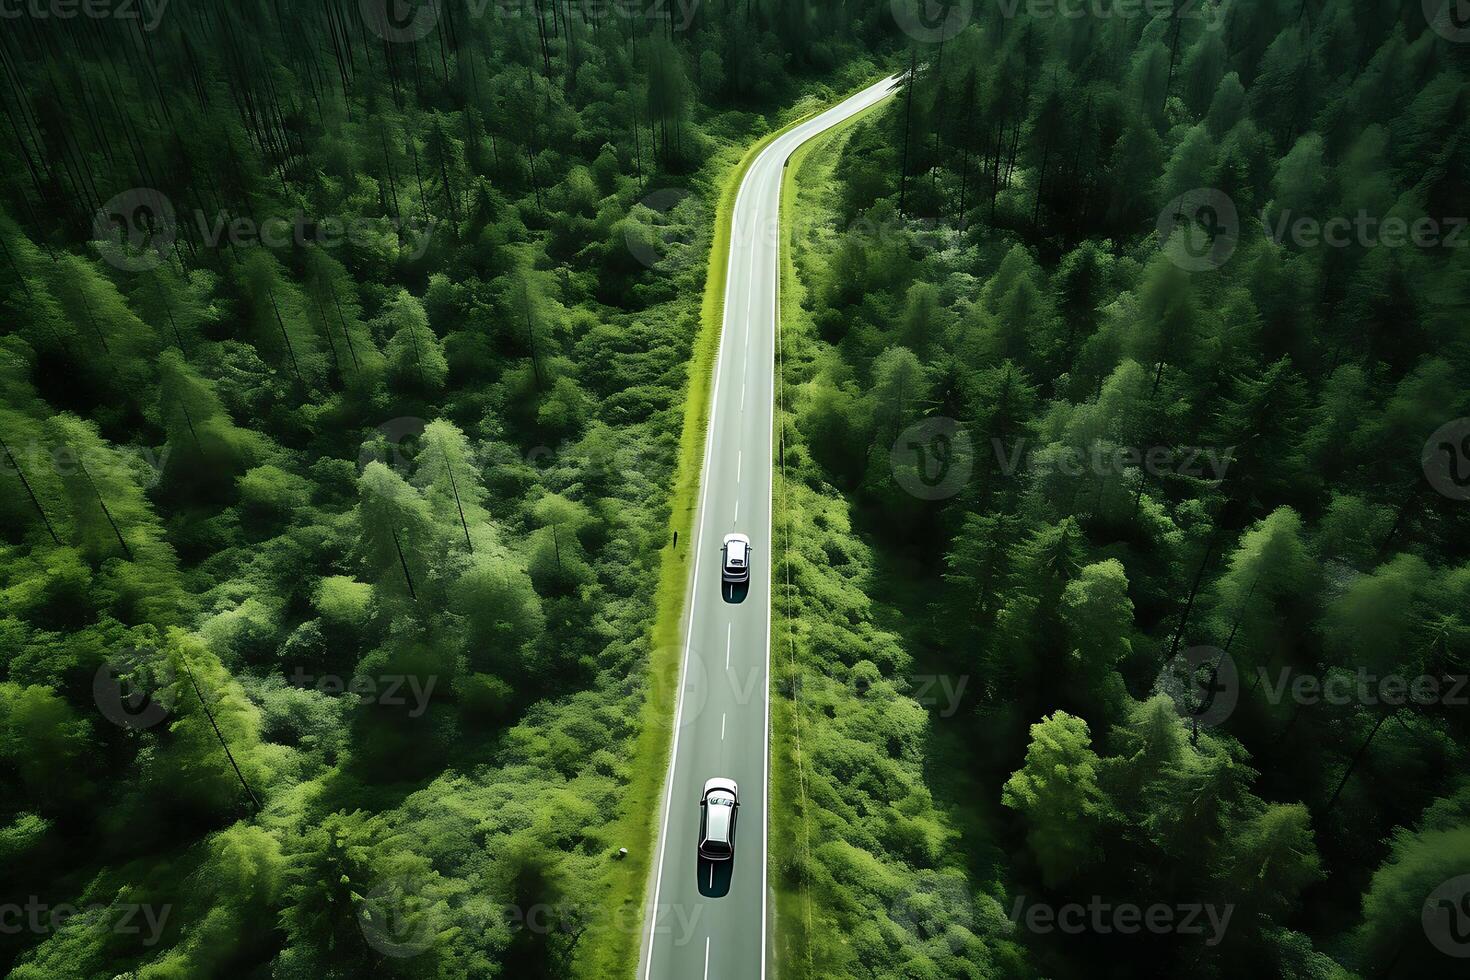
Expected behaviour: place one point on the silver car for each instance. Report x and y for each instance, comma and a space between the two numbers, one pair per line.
717, 809
735, 558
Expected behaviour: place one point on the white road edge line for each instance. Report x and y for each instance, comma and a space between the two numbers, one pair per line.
770, 589
663, 835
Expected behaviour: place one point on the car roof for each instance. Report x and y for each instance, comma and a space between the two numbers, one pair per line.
717, 823
737, 536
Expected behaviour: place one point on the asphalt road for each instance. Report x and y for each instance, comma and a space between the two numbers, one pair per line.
710, 920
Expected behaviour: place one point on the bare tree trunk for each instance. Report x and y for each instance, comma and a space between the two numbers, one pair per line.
254, 800
30, 493
403, 562
1357, 758
128, 552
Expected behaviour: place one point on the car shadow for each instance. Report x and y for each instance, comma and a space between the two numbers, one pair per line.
734, 592
715, 877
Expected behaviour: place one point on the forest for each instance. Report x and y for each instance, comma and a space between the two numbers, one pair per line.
1126, 480
343, 369
1123, 549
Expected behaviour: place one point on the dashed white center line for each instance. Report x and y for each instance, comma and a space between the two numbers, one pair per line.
728, 631
737, 511
739, 464
706, 938
722, 727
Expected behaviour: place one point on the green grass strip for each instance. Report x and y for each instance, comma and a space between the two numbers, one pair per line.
790, 810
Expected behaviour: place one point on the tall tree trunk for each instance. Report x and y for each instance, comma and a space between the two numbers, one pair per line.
908, 115
127, 552
15, 464
254, 800
454, 487
1357, 758
403, 563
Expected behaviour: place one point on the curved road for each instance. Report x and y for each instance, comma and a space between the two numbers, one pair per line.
709, 920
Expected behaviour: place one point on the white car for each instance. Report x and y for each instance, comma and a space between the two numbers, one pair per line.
717, 807
735, 558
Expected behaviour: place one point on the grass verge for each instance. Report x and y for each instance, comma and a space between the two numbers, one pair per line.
627, 886
808, 174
